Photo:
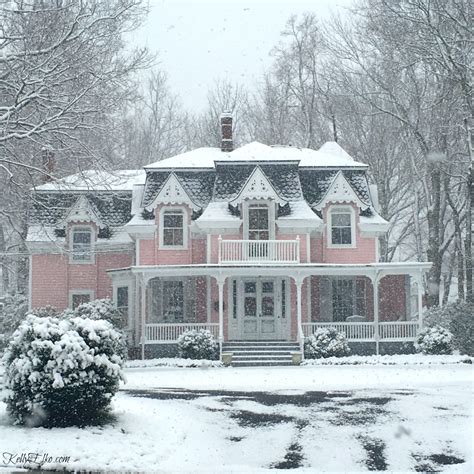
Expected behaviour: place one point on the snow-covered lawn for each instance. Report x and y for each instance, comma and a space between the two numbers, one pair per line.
316, 418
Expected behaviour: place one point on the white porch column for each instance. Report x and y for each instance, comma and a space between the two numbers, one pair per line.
419, 284
143, 284
299, 283
220, 285
375, 284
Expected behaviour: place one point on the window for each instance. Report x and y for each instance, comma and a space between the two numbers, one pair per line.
349, 298
173, 301
81, 245
79, 297
173, 229
122, 304
283, 298
341, 227
234, 299
259, 222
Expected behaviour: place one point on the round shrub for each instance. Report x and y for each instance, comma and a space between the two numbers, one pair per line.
62, 372
101, 309
457, 317
326, 342
434, 340
198, 345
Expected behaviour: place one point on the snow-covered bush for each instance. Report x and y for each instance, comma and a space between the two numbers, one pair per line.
12, 313
62, 372
101, 309
326, 342
462, 328
457, 317
45, 312
198, 345
434, 340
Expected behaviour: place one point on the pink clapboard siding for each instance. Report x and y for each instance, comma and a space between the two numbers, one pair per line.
54, 278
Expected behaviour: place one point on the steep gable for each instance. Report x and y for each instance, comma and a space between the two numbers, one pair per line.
172, 192
258, 187
341, 191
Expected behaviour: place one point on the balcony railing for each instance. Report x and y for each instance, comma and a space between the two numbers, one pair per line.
259, 251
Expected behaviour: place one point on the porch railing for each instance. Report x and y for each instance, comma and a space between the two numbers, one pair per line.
170, 332
398, 330
259, 251
365, 331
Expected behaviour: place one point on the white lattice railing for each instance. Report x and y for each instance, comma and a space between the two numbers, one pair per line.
365, 331
398, 330
353, 331
254, 251
168, 332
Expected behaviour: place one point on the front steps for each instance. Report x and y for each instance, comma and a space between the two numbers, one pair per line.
261, 353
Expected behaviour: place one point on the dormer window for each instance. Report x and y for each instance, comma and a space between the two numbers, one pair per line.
341, 227
81, 245
259, 222
173, 233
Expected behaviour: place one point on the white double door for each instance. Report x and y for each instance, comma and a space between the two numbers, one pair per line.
262, 307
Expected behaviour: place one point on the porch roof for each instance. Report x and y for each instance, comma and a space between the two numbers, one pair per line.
299, 270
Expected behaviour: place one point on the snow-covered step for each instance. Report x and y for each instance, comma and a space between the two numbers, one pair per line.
260, 363
261, 357
264, 353
258, 352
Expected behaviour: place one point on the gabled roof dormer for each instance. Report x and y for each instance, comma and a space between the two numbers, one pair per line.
257, 186
341, 191
81, 212
172, 192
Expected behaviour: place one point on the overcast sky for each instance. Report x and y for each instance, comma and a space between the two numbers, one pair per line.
199, 41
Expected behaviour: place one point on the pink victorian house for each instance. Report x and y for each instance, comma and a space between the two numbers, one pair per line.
261, 245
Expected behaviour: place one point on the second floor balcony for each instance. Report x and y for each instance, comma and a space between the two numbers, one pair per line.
259, 251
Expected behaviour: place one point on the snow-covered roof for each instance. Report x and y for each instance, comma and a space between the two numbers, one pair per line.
329, 155
217, 214
300, 210
41, 233
198, 158
373, 223
96, 180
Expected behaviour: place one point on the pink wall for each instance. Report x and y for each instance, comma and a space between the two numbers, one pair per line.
53, 277
365, 250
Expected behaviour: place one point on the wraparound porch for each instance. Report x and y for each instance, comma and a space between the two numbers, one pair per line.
222, 288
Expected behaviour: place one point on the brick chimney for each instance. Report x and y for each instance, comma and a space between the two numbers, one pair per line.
226, 132
48, 164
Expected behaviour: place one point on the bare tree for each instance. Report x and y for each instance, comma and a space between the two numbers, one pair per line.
64, 72
224, 96
153, 127
379, 69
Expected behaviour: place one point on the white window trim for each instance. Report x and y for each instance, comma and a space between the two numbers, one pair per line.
115, 299
336, 209
271, 216
185, 213
72, 229
80, 292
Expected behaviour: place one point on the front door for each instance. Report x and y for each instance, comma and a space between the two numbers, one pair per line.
260, 317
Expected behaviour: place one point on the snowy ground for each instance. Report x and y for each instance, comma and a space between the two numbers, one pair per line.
315, 418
